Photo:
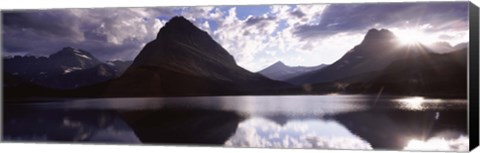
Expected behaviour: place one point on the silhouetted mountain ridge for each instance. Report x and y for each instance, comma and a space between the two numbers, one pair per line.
378, 49
445, 47
184, 60
423, 74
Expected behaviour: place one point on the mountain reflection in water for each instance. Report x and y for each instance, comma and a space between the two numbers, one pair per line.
335, 122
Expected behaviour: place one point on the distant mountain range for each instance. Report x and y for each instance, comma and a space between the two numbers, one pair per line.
445, 47
281, 72
183, 60
66, 69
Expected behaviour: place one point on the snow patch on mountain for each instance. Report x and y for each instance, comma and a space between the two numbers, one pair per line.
71, 69
83, 56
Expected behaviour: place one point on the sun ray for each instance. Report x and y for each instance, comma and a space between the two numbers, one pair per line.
410, 36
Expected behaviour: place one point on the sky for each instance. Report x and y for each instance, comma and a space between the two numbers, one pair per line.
257, 36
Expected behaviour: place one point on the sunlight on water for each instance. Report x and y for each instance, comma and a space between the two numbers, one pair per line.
439, 144
292, 105
416, 103
413, 102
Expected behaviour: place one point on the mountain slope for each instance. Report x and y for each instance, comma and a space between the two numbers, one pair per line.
281, 72
378, 49
381, 64
119, 66
423, 74
71, 57
429, 74
445, 47
184, 60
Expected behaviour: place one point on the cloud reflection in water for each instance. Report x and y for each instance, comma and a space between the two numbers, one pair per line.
308, 133
439, 144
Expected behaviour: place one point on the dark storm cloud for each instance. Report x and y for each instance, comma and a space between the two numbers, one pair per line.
41, 21
360, 17
297, 13
107, 32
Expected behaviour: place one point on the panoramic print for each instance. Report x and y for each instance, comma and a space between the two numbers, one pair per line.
366, 76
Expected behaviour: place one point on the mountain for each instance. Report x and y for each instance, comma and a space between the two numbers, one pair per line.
70, 57
378, 49
440, 47
445, 47
281, 72
119, 66
381, 64
429, 74
460, 46
184, 60
66, 69
423, 74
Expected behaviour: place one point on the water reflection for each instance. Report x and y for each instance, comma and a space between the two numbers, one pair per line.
306, 133
332, 121
187, 126
65, 126
394, 129
416, 103
439, 144
252, 105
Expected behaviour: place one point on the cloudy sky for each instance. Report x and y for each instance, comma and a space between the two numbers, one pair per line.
256, 36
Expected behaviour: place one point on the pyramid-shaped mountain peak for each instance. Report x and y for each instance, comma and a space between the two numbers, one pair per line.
179, 25
181, 41
179, 22
279, 63
179, 19
186, 61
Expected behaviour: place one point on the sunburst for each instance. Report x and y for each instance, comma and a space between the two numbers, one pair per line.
412, 36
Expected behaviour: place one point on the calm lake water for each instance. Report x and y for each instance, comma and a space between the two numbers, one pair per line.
325, 122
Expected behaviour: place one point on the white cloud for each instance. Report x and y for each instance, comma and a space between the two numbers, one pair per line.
241, 40
123, 26
247, 41
195, 13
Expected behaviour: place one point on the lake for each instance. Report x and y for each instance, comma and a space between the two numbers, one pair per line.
322, 122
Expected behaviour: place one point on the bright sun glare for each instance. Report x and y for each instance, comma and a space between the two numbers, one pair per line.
414, 103
412, 36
